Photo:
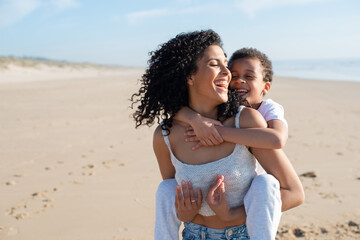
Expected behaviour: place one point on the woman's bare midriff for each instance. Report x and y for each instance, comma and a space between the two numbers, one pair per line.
215, 222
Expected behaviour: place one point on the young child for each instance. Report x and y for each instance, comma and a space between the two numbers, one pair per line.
251, 78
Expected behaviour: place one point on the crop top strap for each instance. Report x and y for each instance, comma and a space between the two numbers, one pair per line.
237, 125
166, 137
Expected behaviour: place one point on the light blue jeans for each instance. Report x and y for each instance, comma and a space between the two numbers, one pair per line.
262, 205
194, 231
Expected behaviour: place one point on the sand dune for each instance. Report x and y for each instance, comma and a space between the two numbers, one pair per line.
73, 166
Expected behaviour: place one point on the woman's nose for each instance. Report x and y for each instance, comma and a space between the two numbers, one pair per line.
225, 70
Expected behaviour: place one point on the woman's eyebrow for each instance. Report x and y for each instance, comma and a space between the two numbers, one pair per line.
217, 59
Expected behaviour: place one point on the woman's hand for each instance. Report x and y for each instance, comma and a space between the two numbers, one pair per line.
217, 200
203, 130
186, 204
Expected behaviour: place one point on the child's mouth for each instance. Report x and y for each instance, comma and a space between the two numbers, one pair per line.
242, 92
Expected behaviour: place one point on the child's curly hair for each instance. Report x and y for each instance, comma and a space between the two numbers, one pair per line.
254, 53
164, 88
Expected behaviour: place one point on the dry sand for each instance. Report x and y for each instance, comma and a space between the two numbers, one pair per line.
72, 166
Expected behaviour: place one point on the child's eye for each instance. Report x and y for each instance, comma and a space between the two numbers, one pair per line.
249, 77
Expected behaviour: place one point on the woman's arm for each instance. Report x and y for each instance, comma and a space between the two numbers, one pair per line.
162, 153
276, 163
185, 208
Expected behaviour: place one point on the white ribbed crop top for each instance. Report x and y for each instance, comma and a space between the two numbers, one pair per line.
238, 170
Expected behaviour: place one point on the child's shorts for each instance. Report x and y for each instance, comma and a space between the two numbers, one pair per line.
194, 231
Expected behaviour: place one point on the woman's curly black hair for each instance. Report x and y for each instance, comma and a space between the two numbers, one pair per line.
164, 88
254, 53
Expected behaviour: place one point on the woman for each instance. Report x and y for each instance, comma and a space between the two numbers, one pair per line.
191, 70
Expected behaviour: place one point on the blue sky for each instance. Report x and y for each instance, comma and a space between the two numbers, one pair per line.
123, 32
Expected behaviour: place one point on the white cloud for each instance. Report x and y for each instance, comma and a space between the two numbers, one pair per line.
139, 16
12, 11
250, 7
64, 4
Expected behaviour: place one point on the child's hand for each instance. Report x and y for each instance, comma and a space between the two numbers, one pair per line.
186, 204
203, 130
217, 200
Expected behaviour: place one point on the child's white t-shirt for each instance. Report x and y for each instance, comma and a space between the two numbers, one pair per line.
270, 110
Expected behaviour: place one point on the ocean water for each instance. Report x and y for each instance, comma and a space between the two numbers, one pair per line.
330, 69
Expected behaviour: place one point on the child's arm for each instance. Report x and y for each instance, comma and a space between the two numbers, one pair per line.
203, 128
273, 137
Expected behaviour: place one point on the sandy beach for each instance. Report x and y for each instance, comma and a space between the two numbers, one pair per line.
73, 166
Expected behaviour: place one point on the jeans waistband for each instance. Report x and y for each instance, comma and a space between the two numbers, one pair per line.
226, 233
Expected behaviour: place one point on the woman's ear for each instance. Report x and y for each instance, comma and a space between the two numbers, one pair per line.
190, 81
266, 88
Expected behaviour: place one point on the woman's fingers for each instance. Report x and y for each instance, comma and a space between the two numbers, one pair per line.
185, 196
178, 197
192, 194
185, 193
199, 194
215, 184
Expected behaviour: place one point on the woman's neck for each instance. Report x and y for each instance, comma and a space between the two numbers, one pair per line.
204, 110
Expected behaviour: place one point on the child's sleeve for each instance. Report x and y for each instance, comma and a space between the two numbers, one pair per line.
274, 111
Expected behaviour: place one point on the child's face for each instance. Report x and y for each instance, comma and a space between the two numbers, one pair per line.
248, 80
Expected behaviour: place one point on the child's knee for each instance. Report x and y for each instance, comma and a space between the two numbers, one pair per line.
265, 181
166, 189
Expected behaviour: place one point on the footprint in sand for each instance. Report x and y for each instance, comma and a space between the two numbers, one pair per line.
108, 163
332, 196
309, 175
10, 183
88, 170
36, 203
19, 175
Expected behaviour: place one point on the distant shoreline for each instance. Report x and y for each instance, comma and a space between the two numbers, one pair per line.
15, 69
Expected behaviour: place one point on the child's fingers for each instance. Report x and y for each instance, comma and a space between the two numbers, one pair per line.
218, 137
189, 133
213, 140
204, 143
208, 142
217, 123
192, 139
197, 146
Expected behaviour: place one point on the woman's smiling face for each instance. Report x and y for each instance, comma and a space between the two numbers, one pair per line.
211, 80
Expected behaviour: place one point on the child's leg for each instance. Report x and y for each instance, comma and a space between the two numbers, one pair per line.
263, 207
167, 224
